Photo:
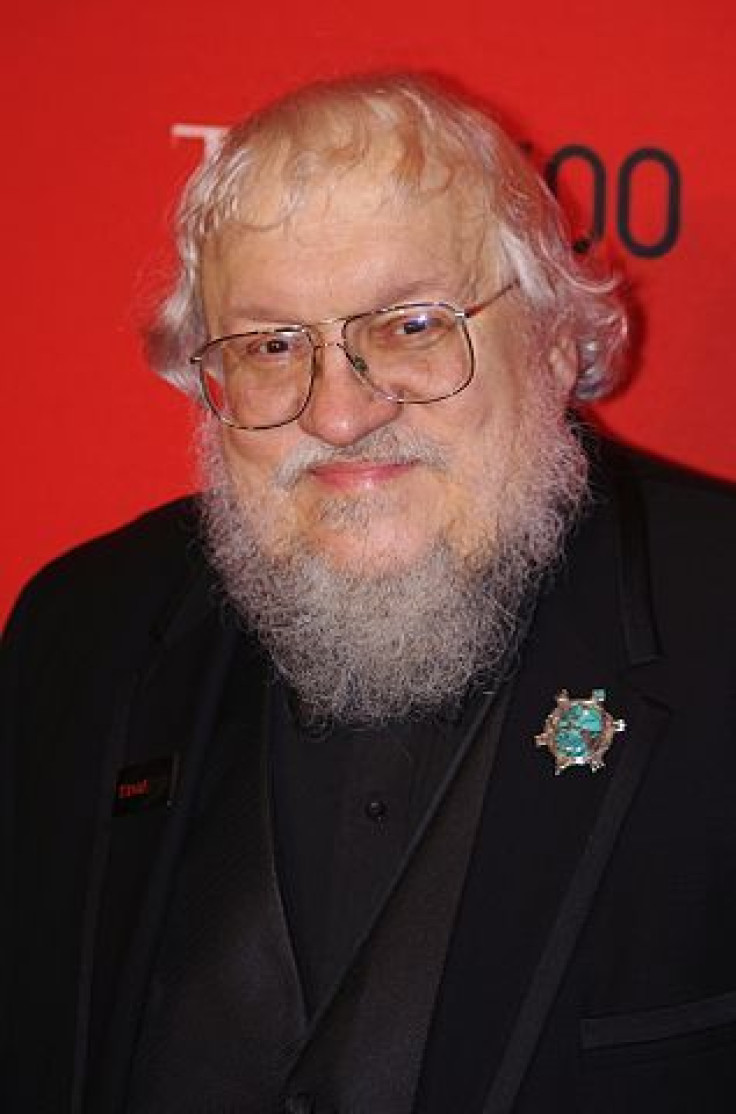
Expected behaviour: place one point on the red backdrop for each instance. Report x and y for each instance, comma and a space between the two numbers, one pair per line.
630, 106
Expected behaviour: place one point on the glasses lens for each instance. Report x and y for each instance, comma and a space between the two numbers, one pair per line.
256, 380
416, 353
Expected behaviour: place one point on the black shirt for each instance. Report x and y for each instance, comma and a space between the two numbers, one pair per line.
347, 802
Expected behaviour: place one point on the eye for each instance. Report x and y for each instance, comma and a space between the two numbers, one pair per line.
274, 346
410, 326
417, 327
270, 346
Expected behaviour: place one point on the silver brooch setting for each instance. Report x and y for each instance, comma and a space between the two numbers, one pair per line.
579, 731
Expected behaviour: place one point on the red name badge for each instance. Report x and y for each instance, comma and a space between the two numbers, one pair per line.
146, 785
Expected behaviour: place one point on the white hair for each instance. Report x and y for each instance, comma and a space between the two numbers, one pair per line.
321, 132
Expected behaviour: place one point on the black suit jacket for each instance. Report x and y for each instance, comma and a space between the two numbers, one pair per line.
592, 965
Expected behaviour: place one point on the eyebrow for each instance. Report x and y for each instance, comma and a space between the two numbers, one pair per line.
389, 296
408, 293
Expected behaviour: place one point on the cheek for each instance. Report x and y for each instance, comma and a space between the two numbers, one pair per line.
251, 462
478, 428
251, 467
487, 446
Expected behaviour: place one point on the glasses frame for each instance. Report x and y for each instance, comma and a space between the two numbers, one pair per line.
357, 363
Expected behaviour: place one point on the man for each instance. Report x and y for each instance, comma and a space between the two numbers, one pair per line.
397, 773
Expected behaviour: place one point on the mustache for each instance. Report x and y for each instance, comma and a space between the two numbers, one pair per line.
381, 446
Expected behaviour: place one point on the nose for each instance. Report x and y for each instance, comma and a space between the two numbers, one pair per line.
343, 407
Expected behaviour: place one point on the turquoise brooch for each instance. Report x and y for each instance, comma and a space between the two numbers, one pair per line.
579, 732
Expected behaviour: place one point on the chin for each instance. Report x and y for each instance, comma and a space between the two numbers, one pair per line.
374, 552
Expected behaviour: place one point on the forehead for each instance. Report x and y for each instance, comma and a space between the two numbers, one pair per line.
350, 245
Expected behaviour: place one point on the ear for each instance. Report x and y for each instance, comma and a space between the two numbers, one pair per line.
564, 363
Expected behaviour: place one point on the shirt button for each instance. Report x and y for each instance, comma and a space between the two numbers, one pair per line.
376, 809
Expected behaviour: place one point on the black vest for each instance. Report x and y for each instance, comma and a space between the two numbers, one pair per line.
226, 1028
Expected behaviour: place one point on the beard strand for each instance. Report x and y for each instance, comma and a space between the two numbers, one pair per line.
368, 649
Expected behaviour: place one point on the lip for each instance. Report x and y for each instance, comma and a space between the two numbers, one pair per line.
356, 475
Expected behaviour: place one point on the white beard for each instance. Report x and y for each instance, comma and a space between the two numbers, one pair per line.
366, 649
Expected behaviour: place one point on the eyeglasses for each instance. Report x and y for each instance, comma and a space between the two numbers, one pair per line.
416, 353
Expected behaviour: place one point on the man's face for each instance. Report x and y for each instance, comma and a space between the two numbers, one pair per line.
356, 510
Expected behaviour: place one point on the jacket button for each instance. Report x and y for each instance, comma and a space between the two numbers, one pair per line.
302, 1103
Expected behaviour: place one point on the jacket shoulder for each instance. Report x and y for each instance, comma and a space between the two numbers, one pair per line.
685, 508
120, 581
689, 522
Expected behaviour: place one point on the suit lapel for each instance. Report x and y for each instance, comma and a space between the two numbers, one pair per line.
575, 820
572, 910
543, 842
203, 672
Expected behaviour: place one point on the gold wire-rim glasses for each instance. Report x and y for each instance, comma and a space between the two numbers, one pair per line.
356, 362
